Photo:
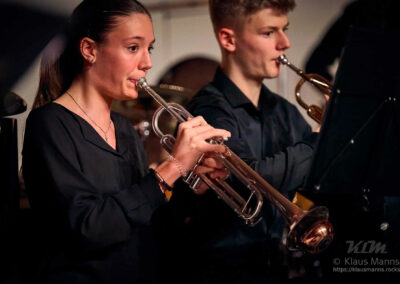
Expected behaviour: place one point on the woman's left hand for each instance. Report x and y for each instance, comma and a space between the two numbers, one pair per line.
213, 168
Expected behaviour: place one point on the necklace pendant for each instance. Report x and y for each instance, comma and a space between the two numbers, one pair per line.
94, 122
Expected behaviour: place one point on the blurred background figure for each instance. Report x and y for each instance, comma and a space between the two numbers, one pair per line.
371, 14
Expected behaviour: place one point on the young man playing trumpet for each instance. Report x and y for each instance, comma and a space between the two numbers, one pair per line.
268, 133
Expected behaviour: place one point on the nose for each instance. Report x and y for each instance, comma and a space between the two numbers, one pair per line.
283, 42
145, 61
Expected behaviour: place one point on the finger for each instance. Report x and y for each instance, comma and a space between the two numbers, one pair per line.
193, 122
219, 173
199, 120
198, 137
207, 132
212, 172
203, 170
205, 147
212, 163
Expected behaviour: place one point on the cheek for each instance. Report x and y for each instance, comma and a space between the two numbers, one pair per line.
249, 55
117, 63
257, 52
123, 68
250, 48
118, 72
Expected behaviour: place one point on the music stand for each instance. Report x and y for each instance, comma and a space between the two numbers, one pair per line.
355, 170
359, 146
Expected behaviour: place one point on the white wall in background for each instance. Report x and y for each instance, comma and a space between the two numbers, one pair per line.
187, 32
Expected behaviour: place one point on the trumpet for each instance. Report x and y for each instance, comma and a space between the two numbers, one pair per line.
310, 231
319, 82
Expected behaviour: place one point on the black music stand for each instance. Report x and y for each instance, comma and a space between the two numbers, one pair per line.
356, 167
359, 146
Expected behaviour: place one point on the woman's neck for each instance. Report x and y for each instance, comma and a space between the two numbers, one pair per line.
82, 97
93, 107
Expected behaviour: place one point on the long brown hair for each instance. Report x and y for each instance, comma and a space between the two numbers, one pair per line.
93, 19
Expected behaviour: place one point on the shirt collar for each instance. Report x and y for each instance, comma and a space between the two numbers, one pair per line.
90, 134
234, 95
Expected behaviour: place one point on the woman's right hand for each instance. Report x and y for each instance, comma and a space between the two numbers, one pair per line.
191, 142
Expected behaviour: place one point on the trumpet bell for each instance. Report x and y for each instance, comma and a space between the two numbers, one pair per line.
312, 233
318, 83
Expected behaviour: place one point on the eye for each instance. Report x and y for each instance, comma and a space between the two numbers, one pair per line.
151, 49
285, 29
268, 33
132, 48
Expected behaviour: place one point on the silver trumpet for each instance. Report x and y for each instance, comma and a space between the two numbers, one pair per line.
310, 231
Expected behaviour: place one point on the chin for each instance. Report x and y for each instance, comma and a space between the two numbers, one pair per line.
129, 96
271, 75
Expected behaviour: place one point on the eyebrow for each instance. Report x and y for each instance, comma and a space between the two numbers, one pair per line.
139, 38
287, 25
275, 27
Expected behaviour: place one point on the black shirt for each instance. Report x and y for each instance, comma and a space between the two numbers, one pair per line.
273, 138
212, 242
209, 242
94, 203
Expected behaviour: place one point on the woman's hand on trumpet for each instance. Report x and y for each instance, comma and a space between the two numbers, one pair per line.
191, 141
213, 168
190, 144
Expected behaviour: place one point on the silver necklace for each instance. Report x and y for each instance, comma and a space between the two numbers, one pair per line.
109, 125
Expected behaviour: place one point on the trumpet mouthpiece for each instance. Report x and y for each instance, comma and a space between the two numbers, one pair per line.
282, 59
141, 82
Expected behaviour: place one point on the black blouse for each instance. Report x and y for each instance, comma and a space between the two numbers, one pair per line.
94, 203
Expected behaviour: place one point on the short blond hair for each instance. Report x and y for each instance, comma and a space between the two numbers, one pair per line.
232, 13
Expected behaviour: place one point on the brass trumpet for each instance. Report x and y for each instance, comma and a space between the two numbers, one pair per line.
309, 230
319, 82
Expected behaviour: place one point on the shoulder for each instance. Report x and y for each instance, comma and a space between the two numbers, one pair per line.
46, 110
49, 115
281, 104
209, 97
209, 91
286, 113
49, 127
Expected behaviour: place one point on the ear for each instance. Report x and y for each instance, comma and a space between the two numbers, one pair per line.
88, 49
227, 40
